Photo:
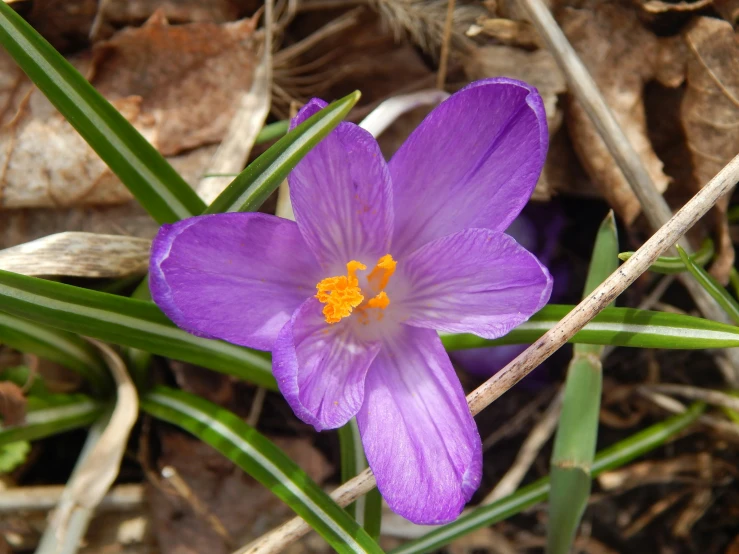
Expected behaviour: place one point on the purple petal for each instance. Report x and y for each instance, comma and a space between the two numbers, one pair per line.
420, 439
476, 281
341, 196
321, 368
237, 276
473, 162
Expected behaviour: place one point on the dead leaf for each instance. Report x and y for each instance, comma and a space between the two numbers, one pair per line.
710, 115
621, 56
190, 77
729, 10
156, 77
12, 404
119, 13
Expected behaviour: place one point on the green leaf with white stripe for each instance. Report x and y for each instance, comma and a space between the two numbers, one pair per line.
57, 346
128, 322
669, 265
250, 188
367, 509
51, 415
149, 177
616, 327
712, 286
260, 458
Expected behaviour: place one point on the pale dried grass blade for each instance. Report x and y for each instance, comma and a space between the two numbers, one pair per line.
97, 467
76, 254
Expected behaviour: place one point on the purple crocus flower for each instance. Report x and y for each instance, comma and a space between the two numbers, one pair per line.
382, 255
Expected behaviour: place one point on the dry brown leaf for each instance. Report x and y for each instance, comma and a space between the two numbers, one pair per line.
710, 115
12, 404
728, 9
156, 77
23, 225
120, 13
190, 77
621, 56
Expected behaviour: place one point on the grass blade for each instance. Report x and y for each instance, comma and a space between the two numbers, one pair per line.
149, 177
140, 324
367, 509
616, 327
615, 456
669, 265
51, 416
261, 459
57, 346
577, 431
128, 322
712, 286
252, 186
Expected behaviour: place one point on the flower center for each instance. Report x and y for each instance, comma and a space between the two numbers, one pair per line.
342, 294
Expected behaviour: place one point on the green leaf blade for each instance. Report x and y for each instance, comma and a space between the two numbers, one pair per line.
57, 346
616, 327
670, 265
64, 413
712, 286
252, 186
577, 430
128, 322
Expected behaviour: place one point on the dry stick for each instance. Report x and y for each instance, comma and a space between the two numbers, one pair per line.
551, 341
655, 208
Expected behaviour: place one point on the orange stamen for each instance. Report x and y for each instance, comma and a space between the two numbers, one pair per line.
381, 273
341, 294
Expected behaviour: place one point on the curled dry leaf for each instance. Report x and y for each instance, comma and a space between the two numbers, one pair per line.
621, 56
98, 465
155, 76
537, 68
80, 255
710, 115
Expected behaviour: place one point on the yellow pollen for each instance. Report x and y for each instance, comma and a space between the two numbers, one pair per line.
341, 294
